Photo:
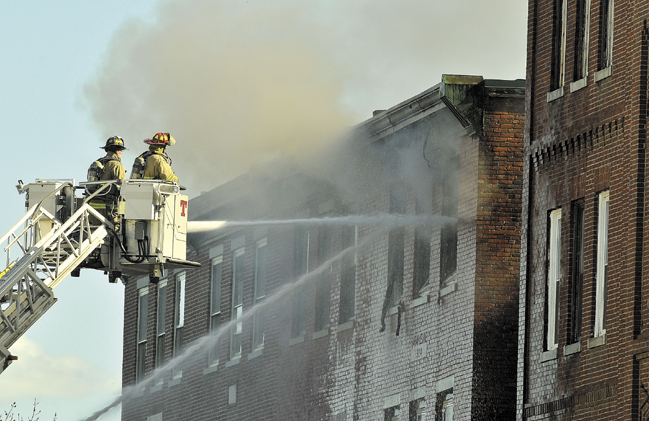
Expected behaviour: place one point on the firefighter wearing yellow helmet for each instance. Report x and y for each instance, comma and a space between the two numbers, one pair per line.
109, 167
155, 164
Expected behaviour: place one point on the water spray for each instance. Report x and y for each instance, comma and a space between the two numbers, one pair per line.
211, 339
383, 219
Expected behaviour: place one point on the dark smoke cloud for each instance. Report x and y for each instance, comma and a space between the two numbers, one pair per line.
239, 83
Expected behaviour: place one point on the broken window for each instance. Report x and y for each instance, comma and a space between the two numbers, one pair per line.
421, 269
301, 248
606, 35
142, 313
417, 410
161, 314
348, 276
554, 277
237, 302
582, 26
392, 414
261, 260
179, 319
448, 232
323, 289
444, 406
395, 247
577, 272
557, 71
215, 306
601, 277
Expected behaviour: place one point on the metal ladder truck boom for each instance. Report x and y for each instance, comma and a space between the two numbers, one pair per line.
142, 231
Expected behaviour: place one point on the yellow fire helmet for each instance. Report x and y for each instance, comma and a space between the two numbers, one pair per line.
163, 139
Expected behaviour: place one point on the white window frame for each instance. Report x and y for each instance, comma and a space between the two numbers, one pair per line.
578, 84
215, 310
141, 333
258, 320
179, 318
554, 278
602, 264
160, 323
558, 91
237, 309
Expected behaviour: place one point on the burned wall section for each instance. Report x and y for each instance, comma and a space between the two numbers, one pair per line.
585, 150
415, 346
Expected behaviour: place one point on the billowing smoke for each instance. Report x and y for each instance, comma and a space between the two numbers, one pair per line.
238, 83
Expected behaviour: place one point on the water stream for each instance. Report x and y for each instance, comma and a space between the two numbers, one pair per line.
386, 221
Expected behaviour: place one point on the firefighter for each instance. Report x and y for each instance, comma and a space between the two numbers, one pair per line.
155, 164
109, 167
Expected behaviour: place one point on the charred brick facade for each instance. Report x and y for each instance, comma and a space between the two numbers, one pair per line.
411, 319
583, 302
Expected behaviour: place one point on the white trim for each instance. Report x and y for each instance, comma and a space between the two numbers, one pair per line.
554, 278
556, 94
602, 264
445, 384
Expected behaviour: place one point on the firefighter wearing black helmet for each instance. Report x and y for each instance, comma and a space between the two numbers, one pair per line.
109, 167
155, 164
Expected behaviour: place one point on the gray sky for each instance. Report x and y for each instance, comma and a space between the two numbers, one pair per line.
236, 83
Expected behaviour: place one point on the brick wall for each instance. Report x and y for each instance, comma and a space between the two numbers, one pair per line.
589, 140
461, 337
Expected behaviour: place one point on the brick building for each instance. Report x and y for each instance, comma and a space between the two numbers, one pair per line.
387, 320
583, 344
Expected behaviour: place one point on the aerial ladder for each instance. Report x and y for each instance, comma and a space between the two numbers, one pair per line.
138, 230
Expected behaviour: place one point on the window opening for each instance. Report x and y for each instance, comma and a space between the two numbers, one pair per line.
179, 320
448, 233
215, 306
554, 277
161, 315
444, 406
237, 303
581, 39
301, 247
261, 263
577, 272
417, 410
557, 73
421, 270
601, 277
142, 316
606, 34
323, 289
392, 414
348, 276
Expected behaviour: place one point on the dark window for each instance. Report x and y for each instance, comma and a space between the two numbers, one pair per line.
301, 247
417, 410
605, 34
581, 40
395, 247
143, 311
444, 406
558, 44
421, 269
261, 260
448, 233
392, 414
215, 306
160, 325
348, 276
323, 290
577, 272
237, 302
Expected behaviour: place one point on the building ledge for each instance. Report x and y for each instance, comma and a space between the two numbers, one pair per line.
233, 361
296, 340
572, 348
345, 326
554, 95
425, 298
156, 387
603, 74
321, 333
211, 368
597, 341
256, 353
549, 355
579, 84
176, 380
451, 287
